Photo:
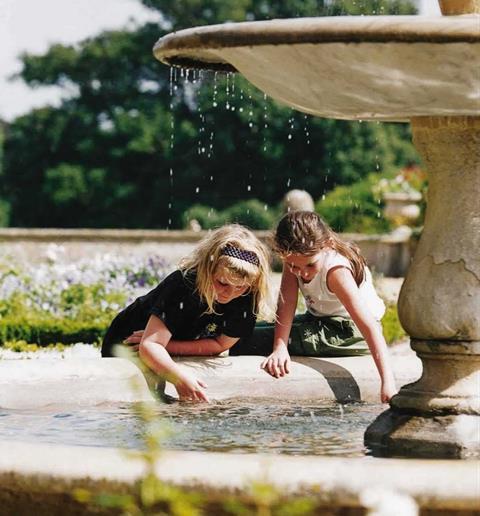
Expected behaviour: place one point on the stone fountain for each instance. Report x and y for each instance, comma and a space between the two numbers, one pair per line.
393, 68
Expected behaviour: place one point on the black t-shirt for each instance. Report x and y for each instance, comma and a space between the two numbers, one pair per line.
177, 303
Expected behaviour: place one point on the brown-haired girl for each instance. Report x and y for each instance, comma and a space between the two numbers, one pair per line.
344, 310
203, 308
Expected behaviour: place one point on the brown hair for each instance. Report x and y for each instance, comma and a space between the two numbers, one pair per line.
304, 232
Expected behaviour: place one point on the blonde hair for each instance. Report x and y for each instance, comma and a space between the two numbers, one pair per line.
207, 256
304, 232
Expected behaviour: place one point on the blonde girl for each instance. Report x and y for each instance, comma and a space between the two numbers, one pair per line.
343, 309
203, 308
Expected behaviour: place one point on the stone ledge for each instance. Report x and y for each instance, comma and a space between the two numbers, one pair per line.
42, 382
32, 473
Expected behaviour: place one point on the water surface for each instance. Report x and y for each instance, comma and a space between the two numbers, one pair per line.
239, 426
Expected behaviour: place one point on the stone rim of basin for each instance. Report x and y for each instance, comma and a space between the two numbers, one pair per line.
184, 48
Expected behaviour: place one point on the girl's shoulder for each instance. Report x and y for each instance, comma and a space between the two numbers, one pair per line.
335, 259
178, 282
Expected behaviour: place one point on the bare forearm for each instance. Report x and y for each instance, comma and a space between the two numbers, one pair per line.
283, 326
157, 358
378, 348
199, 347
287, 304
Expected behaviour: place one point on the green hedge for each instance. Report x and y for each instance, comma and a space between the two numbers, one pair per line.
252, 213
44, 331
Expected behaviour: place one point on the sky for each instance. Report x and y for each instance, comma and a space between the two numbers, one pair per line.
33, 25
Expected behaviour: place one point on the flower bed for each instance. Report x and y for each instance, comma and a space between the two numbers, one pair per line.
59, 302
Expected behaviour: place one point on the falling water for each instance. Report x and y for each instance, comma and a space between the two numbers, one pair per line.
265, 122
173, 89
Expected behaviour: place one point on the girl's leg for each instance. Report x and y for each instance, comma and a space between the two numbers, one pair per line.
310, 336
326, 336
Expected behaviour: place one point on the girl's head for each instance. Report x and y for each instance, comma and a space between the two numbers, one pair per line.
231, 262
301, 236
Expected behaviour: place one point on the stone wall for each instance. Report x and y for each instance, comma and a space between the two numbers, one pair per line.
388, 255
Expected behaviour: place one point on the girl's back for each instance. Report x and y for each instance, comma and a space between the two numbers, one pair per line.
322, 302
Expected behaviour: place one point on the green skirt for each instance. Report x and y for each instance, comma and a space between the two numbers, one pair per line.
310, 336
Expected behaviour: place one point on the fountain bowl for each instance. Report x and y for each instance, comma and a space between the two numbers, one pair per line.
404, 66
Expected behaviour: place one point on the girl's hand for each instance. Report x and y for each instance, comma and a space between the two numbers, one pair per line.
134, 339
278, 363
388, 390
191, 389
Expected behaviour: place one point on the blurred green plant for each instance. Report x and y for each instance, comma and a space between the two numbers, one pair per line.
392, 329
150, 496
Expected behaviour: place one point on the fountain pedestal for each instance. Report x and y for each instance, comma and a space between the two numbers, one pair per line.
439, 304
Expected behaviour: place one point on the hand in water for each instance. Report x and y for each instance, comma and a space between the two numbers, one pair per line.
278, 363
190, 388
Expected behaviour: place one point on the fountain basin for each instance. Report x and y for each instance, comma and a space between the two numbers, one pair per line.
42, 477
404, 66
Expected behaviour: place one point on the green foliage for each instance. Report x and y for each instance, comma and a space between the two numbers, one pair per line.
21, 346
207, 217
109, 156
354, 208
43, 329
20, 321
392, 329
4, 204
4, 213
253, 214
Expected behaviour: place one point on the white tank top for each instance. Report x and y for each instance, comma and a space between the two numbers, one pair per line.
321, 301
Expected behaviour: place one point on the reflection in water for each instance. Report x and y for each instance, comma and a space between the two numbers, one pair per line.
267, 426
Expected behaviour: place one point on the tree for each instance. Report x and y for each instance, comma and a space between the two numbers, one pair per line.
133, 148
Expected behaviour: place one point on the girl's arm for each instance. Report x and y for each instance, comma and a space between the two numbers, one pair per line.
201, 347
152, 351
197, 347
341, 282
278, 363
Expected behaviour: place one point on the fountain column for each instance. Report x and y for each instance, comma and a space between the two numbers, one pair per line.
439, 304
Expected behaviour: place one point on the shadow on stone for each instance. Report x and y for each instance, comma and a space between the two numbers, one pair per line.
343, 384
